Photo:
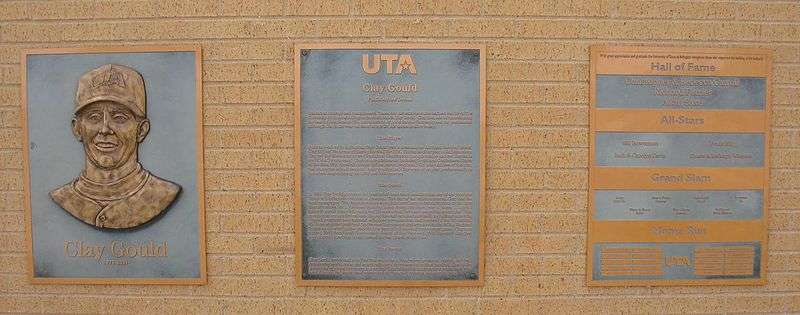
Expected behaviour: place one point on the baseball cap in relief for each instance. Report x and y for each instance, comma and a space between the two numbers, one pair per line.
115, 83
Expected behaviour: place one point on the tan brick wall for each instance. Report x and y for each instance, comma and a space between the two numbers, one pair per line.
538, 139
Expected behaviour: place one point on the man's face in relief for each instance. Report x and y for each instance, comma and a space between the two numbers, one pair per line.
110, 133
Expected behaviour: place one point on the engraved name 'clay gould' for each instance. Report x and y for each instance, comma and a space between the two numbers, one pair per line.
113, 191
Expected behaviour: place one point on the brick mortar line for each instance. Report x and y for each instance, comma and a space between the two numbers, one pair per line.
207, 124
531, 147
285, 128
241, 190
222, 193
744, 1
504, 212
244, 146
238, 149
207, 81
280, 105
337, 298
261, 211
529, 150
260, 169
233, 104
520, 167
287, 63
431, 39
479, 300
207, 61
282, 171
427, 18
289, 41
287, 84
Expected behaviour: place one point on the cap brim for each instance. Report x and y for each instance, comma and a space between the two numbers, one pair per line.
109, 97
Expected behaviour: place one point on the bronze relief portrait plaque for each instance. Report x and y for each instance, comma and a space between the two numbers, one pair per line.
389, 164
113, 191
113, 165
679, 166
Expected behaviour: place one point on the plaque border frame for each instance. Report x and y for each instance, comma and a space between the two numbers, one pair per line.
298, 225
594, 51
197, 51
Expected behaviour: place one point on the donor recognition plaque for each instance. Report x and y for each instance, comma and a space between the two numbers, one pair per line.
679, 166
113, 165
389, 164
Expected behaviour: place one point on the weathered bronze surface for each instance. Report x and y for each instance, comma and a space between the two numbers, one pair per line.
678, 166
113, 191
389, 164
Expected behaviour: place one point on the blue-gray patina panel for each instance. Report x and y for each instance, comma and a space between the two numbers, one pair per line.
638, 149
169, 151
333, 83
654, 205
680, 92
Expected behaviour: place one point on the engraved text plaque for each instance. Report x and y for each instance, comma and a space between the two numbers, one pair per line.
679, 166
389, 164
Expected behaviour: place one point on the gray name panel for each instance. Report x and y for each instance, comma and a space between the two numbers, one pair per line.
676, 261
679, 149
650, 205
680, 92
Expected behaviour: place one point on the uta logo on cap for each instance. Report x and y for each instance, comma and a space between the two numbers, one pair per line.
111, 77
